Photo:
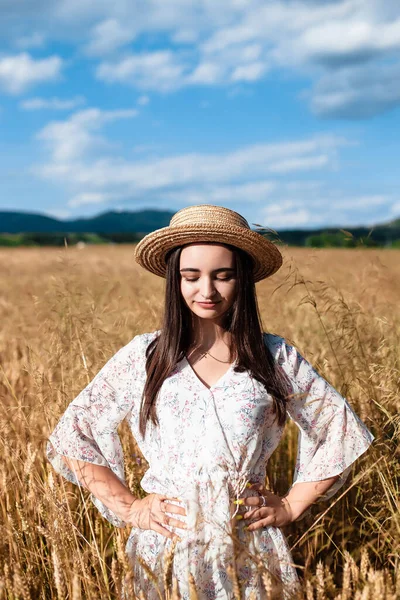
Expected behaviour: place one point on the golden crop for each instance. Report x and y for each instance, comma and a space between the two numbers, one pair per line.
64, 312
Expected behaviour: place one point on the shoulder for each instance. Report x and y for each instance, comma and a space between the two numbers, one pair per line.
134, 352
285, 354
139, 343
144, 339
276, 344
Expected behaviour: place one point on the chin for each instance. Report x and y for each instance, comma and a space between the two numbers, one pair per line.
207, 314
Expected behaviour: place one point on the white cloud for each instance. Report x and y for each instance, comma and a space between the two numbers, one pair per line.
253, 192
32, 40
244, 44
52, 103
79, 158
252, 179
229, 41
300, 163
20, 72
167, 71
185, 36
286, 215
358, 92
143, 100
72, 139
108, 36
363, 202
89, 198
347, 39
395, 210
324, 207
250, 72
206, 73
230, 36
159, 71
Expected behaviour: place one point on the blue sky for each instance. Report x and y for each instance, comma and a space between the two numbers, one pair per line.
286, 111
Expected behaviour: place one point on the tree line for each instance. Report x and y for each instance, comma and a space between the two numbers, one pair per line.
382, 237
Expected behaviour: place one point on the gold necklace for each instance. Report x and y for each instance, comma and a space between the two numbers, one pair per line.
222, 361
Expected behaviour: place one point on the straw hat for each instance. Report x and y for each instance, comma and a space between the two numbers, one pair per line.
207, 223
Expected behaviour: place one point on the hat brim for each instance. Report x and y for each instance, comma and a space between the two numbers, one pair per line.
151, 251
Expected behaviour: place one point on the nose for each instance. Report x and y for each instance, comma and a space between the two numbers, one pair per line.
207, 289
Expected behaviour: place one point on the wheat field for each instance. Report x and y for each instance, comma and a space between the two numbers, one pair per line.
64, 312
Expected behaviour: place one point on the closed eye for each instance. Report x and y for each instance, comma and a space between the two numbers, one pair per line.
217, 278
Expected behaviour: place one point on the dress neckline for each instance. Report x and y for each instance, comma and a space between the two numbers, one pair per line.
197, 379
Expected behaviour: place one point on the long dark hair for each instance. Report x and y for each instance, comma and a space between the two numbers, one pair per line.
242, 320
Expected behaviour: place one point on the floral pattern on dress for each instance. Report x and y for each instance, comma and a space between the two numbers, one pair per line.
208, 444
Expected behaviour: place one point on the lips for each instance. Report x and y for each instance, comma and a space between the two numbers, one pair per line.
208, 304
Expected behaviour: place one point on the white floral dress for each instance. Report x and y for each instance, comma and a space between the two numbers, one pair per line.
208, 444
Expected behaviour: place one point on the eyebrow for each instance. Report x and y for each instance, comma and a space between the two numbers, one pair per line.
215, 270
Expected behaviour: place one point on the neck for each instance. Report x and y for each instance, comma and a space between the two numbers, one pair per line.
206, 332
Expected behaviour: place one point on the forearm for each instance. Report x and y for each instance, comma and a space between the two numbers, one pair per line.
302, 495
103, 484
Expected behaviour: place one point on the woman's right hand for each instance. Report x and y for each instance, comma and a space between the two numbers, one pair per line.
150, 513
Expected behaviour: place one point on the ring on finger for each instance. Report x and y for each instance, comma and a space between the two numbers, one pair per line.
264, 501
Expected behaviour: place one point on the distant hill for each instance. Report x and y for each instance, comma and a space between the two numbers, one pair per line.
19, 228
142, 221
383, 234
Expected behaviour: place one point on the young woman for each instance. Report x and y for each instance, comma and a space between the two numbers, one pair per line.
206, 398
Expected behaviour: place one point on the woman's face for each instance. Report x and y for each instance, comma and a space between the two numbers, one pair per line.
208, 279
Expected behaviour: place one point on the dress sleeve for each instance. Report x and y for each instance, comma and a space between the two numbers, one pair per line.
331, 435
87, 430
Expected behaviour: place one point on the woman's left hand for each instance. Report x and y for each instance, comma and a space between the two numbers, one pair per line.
276, 512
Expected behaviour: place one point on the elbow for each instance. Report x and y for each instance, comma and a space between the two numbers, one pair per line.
77, 468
